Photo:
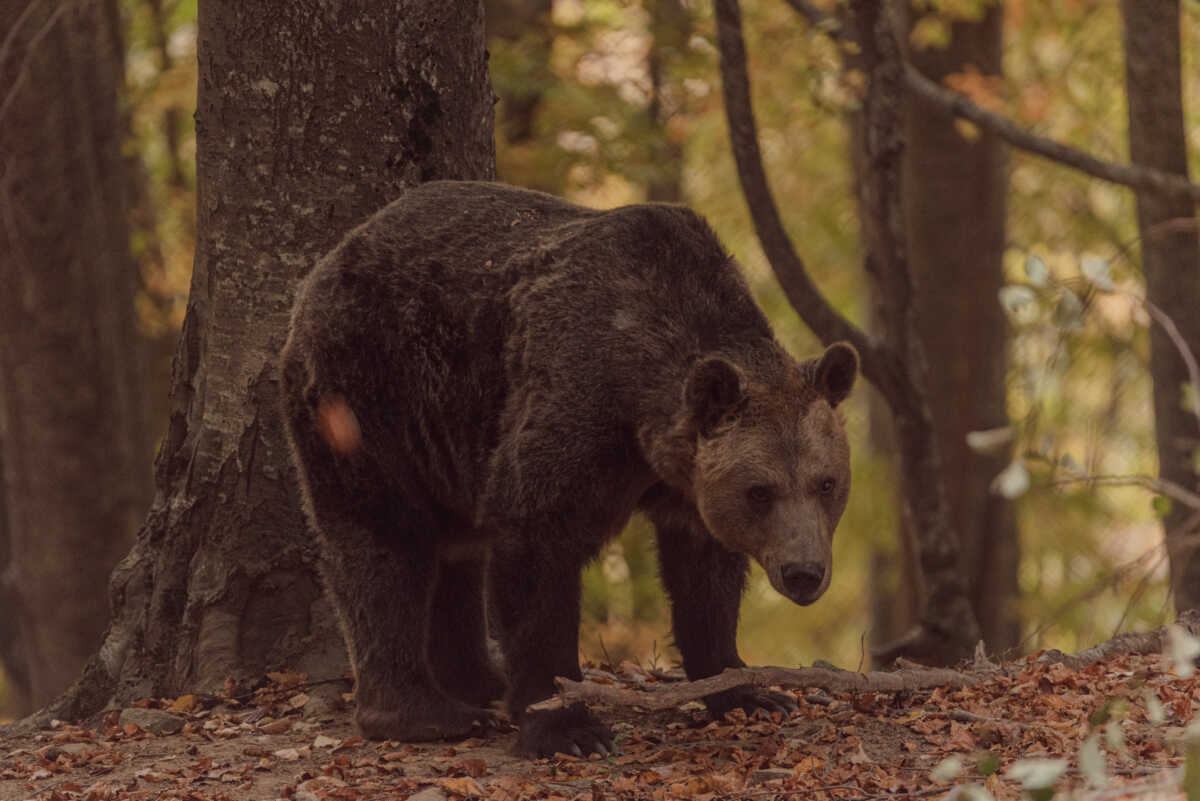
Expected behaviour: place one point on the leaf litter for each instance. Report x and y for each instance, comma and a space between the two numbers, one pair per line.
1115, 729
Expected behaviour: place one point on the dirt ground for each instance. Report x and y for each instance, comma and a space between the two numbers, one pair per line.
295, 740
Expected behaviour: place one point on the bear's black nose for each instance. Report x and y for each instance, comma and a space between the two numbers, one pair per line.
802, 580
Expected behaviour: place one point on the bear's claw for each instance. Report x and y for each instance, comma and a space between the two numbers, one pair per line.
573, 730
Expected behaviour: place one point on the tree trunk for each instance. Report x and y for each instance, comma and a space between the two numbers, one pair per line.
1170, 260
954, 209
947, 628
310, 116
75, 468
15, 699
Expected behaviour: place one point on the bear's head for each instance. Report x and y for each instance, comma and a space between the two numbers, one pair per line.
769, 461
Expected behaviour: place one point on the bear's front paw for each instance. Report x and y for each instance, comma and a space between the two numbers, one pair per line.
750, 699
438, 718
573, 730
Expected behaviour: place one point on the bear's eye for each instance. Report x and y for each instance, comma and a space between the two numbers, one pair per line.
827, 485
759, 495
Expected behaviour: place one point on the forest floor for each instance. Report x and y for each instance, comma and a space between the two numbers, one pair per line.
1119, 723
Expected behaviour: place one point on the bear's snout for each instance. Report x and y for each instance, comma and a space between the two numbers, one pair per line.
802, 581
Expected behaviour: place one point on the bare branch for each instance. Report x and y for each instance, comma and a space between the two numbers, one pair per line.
1161, 486
1133, 176
1124, 174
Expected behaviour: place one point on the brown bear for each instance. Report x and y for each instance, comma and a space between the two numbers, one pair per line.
481, 385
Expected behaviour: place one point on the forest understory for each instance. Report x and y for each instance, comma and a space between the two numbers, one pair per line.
1116, 715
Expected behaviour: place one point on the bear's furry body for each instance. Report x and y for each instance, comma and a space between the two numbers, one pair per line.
524, 374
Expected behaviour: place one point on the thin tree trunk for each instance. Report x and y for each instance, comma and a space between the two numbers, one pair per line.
955, 208
947, 628
897, 367
670, 27
73, 428
1170, 259
309, 118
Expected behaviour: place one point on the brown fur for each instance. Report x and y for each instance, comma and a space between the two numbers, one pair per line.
518, 376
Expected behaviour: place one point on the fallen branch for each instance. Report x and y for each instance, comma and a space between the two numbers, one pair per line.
1134, 642
835, 681
831, 680
1129, 175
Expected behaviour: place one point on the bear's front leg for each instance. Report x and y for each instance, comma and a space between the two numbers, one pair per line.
704, 581
535, 597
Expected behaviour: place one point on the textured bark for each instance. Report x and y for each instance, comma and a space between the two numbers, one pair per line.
310, 116
954, 209
947, 628
75, 466
1170, 259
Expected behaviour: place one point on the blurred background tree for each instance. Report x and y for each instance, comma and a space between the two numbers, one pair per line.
616, 101
75, 438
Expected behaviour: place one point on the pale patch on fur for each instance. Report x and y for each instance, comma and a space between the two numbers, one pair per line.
623, 320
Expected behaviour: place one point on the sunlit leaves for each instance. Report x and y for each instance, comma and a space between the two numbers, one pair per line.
1098, 271
1013, 481
1182, 650
1092, 763
947, 770
1037, 776
991, 440
1036, 271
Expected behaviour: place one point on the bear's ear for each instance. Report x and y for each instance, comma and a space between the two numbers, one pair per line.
714, 388
834, 374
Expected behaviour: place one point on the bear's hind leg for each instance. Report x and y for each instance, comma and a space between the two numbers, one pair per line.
458, 651
382, 586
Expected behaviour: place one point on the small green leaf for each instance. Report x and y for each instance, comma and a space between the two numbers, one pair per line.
1182, 650
1098, 271
988, 765
1154, 707
1068, 315
1068, 463
1114, 736
1161, 505
1036, 270
1091, 762
1101, 715
947, 769
1012, 482
1019, 301
989, 440
1036, 774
